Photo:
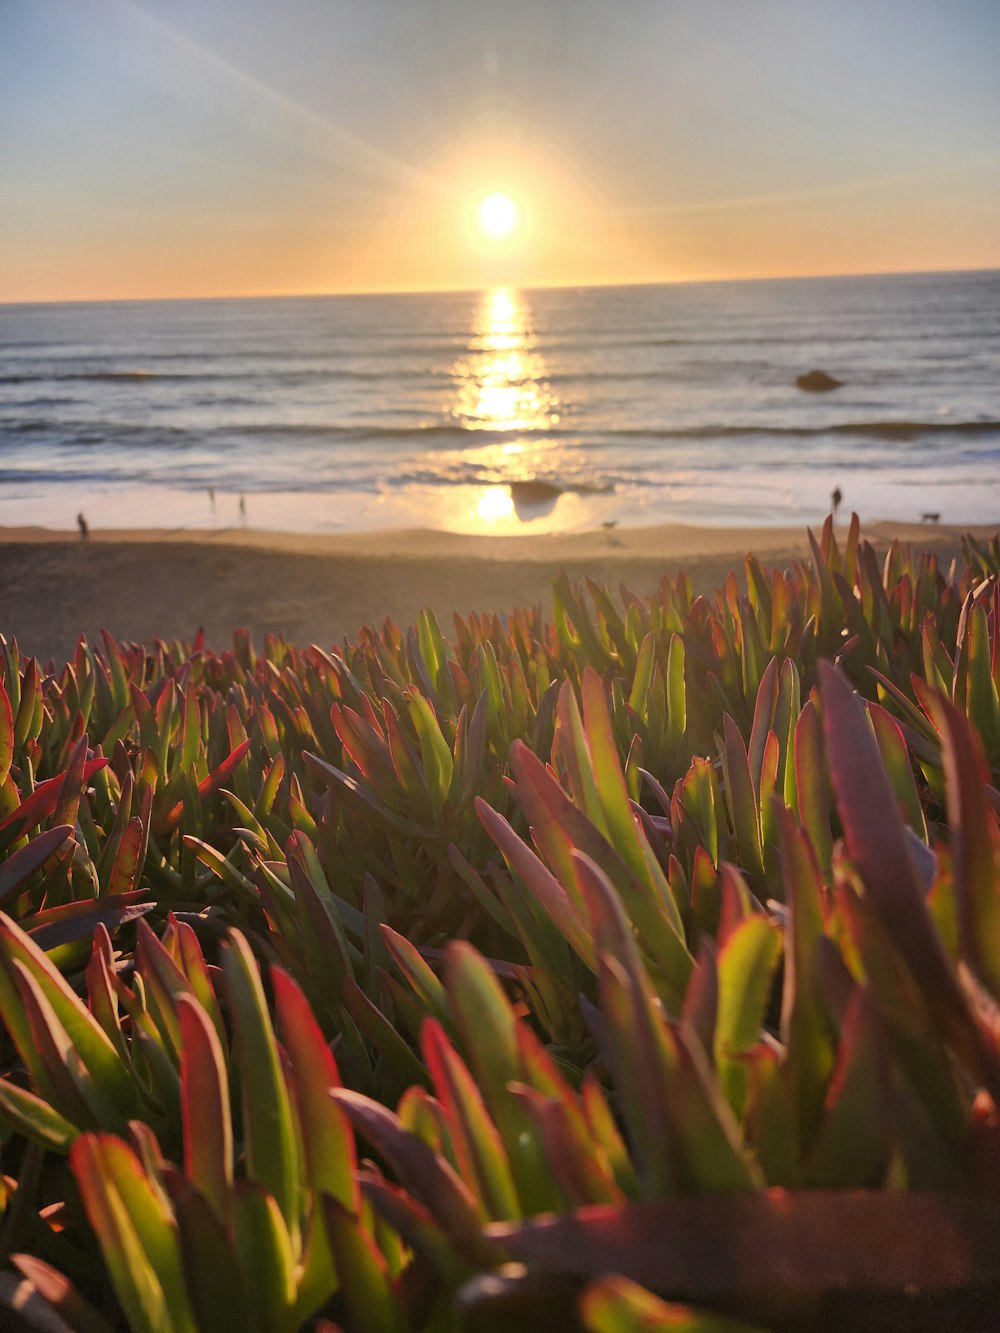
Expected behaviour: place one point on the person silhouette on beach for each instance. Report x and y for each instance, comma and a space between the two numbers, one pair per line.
243, 508
81, 523
836, 495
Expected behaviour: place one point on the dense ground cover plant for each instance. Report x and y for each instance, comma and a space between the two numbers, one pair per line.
636, 968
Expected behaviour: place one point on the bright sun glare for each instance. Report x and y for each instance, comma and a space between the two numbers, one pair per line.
498, 215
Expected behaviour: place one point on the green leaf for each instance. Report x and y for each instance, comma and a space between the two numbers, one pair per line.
266, 1254
479, 1150
677, 710
489, 1031
6, 734
551, 895
975, 846
435, 755
224, 868
22, 864
616, 1305
896, 758
208, 1132
88, 1039
206, 788
806, 1028
138, 1239
645, 662
327, 1139
217, 1287
127, 866
424, 1174
382, 1034
742, 800
35, 1118
853, 1143
364, 1282
271, 1142
573, 750
626, 837
419, 975
812, 783
746, 966
683, 1133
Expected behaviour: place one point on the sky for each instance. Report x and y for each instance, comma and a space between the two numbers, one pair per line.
166, 148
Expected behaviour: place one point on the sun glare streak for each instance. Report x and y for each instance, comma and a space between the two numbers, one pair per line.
365, 156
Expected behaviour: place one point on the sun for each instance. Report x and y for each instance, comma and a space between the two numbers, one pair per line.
498, 215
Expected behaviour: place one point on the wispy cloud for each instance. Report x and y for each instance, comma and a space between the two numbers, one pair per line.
835, 190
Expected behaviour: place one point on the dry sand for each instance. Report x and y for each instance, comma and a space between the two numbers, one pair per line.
142, 585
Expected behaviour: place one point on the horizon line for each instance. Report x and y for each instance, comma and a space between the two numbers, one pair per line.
464, 289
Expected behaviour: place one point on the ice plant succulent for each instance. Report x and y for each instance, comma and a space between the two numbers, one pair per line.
652, 952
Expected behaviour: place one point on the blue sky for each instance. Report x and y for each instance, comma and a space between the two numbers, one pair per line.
209, 146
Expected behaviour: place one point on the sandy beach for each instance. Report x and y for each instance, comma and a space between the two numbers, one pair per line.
150, 584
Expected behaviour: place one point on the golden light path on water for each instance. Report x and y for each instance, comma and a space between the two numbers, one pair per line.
501, 385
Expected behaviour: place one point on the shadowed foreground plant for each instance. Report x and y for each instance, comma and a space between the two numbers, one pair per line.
207, 1246
870, 1082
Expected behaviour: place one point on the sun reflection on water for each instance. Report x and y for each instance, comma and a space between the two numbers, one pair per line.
495, 503
501, 386
500, 382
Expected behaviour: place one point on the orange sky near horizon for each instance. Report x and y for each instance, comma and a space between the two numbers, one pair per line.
189, 150
428, 249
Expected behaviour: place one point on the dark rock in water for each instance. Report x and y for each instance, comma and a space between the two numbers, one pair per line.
533, 491
817, 381
534, 498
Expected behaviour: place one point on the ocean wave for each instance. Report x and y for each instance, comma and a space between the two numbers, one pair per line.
112, 432
472, 435
34, 404
113, 376
370, 347
752, 339
568, 342
435, 356
264, 378
97, 376
747, 476
880, 430
525, 489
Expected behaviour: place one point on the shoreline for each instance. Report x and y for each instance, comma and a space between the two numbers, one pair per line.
142, 584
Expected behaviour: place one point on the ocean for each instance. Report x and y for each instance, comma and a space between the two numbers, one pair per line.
507, 410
